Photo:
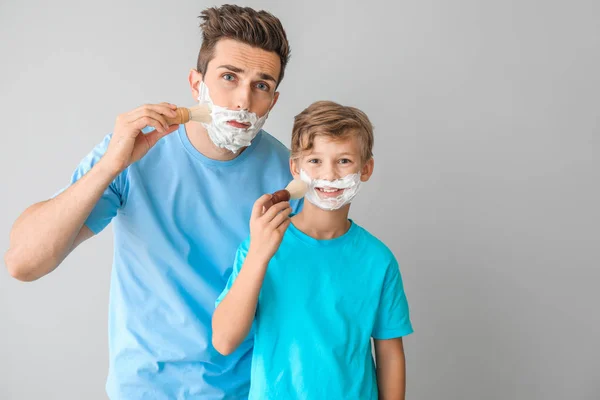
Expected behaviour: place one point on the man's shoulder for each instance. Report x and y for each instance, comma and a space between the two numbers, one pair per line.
270, 143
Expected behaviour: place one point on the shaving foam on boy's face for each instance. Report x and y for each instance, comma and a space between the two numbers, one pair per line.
230, 129
332, 170
331, 195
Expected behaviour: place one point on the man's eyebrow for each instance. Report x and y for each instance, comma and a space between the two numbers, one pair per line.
267, 77
238, 70
232, 68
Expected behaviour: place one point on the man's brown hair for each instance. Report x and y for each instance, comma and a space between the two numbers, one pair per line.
335, 121
259, 29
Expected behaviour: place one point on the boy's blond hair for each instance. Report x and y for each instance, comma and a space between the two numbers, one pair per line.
327, 118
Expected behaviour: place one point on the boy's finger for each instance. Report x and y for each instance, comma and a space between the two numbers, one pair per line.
282, 228
281, 217
257, 209
274, 210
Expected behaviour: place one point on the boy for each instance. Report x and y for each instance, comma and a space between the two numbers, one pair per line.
317, 286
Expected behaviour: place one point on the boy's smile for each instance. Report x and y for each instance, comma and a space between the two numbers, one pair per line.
326, 193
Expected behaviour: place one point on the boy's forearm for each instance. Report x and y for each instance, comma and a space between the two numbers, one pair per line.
233, 317
391, 369
392, 381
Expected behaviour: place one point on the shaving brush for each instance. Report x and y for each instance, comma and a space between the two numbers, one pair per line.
295, 190
199, 113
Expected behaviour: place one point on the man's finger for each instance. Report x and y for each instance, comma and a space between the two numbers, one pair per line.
154, 136
148, 113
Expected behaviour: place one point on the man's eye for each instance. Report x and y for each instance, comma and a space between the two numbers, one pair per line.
228, 77
263, 86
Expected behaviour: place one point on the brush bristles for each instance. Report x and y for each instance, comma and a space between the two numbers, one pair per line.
200, 113
297, 189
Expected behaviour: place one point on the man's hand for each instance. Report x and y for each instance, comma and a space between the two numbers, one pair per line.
128, 143
267, 228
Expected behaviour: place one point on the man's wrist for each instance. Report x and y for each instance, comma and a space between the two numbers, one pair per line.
107, 169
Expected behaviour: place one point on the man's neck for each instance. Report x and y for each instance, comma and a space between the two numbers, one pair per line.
320, 224
199, 138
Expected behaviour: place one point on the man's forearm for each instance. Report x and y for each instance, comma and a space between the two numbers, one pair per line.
233, 317
44, 234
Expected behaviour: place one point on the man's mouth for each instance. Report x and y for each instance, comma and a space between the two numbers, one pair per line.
329, 192
240, 125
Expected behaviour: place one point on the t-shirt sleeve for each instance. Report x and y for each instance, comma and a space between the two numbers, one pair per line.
112, 198
240, 257
392, 319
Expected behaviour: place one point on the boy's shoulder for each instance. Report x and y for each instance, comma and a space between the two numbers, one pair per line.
368, 243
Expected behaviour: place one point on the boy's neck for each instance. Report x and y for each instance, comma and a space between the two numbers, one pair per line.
198, 137
320, 224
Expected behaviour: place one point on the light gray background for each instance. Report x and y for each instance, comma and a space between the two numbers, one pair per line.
485, 187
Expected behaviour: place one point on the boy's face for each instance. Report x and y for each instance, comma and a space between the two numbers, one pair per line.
331, 159
240, 77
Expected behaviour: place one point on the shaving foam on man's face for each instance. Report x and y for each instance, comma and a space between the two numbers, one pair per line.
230, 129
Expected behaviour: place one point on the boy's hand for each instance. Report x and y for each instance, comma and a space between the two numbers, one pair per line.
267, 228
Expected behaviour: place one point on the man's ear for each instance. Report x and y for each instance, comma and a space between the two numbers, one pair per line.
367, 170
194, 78
275, 98
294, 168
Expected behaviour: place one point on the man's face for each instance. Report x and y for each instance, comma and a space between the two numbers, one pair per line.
332, 159
240, 77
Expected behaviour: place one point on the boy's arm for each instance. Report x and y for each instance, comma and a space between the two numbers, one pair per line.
391, 369
233, 317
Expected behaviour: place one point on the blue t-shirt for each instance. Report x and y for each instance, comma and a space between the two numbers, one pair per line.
178, 220
320, 304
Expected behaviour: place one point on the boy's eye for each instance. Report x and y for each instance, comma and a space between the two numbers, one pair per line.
313, 161
345, 161
263, 86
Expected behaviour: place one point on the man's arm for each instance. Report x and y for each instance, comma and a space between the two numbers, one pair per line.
233, 317
391, 369
48, 231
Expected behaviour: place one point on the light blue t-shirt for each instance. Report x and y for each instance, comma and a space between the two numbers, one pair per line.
178, 220
320, 303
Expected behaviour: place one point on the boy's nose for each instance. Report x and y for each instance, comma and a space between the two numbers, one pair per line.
328, 174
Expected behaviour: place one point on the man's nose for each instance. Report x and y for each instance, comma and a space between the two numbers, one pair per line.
243, 98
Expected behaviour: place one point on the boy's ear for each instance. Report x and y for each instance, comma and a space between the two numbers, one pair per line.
194, 78
294, 168
367, 170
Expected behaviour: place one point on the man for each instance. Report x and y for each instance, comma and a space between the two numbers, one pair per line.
180, 198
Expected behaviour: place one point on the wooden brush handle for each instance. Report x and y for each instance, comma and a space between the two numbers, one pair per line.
277, 197
183, 116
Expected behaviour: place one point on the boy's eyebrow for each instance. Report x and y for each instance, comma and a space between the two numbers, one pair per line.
237, 70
